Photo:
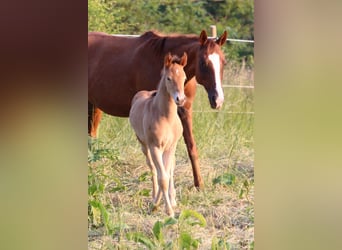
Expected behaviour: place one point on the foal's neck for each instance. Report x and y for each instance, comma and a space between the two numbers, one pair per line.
164, 103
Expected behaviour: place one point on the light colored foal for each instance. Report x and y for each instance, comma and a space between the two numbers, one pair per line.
154, 118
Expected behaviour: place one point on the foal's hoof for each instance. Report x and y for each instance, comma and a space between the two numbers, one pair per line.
173, 204
171, 214
153, 207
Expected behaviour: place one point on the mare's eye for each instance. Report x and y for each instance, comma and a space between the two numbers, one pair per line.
204, 63
168, 78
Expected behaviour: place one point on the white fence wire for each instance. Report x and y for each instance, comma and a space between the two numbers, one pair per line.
228, 39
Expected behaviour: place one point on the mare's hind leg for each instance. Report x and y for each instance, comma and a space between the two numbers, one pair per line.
94, 118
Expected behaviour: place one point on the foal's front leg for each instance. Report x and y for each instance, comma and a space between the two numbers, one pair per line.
163, 179
152, 167
154, 175
169, 161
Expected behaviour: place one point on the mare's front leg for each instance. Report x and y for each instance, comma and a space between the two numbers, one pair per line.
185, 114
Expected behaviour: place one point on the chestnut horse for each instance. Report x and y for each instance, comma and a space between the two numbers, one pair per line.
119, 67
154, 118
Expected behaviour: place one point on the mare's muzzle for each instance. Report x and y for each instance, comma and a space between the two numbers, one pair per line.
215, 101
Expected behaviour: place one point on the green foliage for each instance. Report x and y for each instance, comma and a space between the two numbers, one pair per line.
157, 231
141, 238
188, 216
98, 150
219, 244
244, 189
182, 16
225, 179
183, 240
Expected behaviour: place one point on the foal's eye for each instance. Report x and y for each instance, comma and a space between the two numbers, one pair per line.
168, 78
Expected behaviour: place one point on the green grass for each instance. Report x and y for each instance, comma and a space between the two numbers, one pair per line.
119, 207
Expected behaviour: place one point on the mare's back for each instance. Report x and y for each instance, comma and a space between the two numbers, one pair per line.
109, 51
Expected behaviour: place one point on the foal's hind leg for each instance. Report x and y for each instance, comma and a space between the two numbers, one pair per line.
94, 118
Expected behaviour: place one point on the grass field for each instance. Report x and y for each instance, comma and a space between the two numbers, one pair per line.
219, 217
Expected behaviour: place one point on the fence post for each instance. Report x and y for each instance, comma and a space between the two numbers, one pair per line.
213, 31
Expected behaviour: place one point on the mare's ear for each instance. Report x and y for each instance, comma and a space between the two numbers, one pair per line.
203, 37
168, 60
222, 39
184, 59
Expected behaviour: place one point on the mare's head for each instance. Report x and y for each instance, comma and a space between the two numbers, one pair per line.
209, 68
174, 77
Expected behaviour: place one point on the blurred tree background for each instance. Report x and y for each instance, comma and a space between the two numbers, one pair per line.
181, 16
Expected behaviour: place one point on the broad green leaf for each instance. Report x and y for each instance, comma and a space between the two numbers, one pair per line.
225, 179
145, 192
141, 238
157, 231
143, 177
187, 214
187, 242
170, 221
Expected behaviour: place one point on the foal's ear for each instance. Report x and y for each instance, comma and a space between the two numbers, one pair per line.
168, 60
203, 37
222, 39
184, 59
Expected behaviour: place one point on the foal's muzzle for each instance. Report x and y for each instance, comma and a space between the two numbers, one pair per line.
179, 99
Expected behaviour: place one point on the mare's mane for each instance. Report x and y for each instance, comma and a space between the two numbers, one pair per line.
157, 40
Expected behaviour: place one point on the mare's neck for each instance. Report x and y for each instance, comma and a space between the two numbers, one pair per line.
190, 45
163, 102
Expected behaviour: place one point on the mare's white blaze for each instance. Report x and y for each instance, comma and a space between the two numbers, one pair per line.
215, 60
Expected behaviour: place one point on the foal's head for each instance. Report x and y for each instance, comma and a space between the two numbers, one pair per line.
173, 76
209, 69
